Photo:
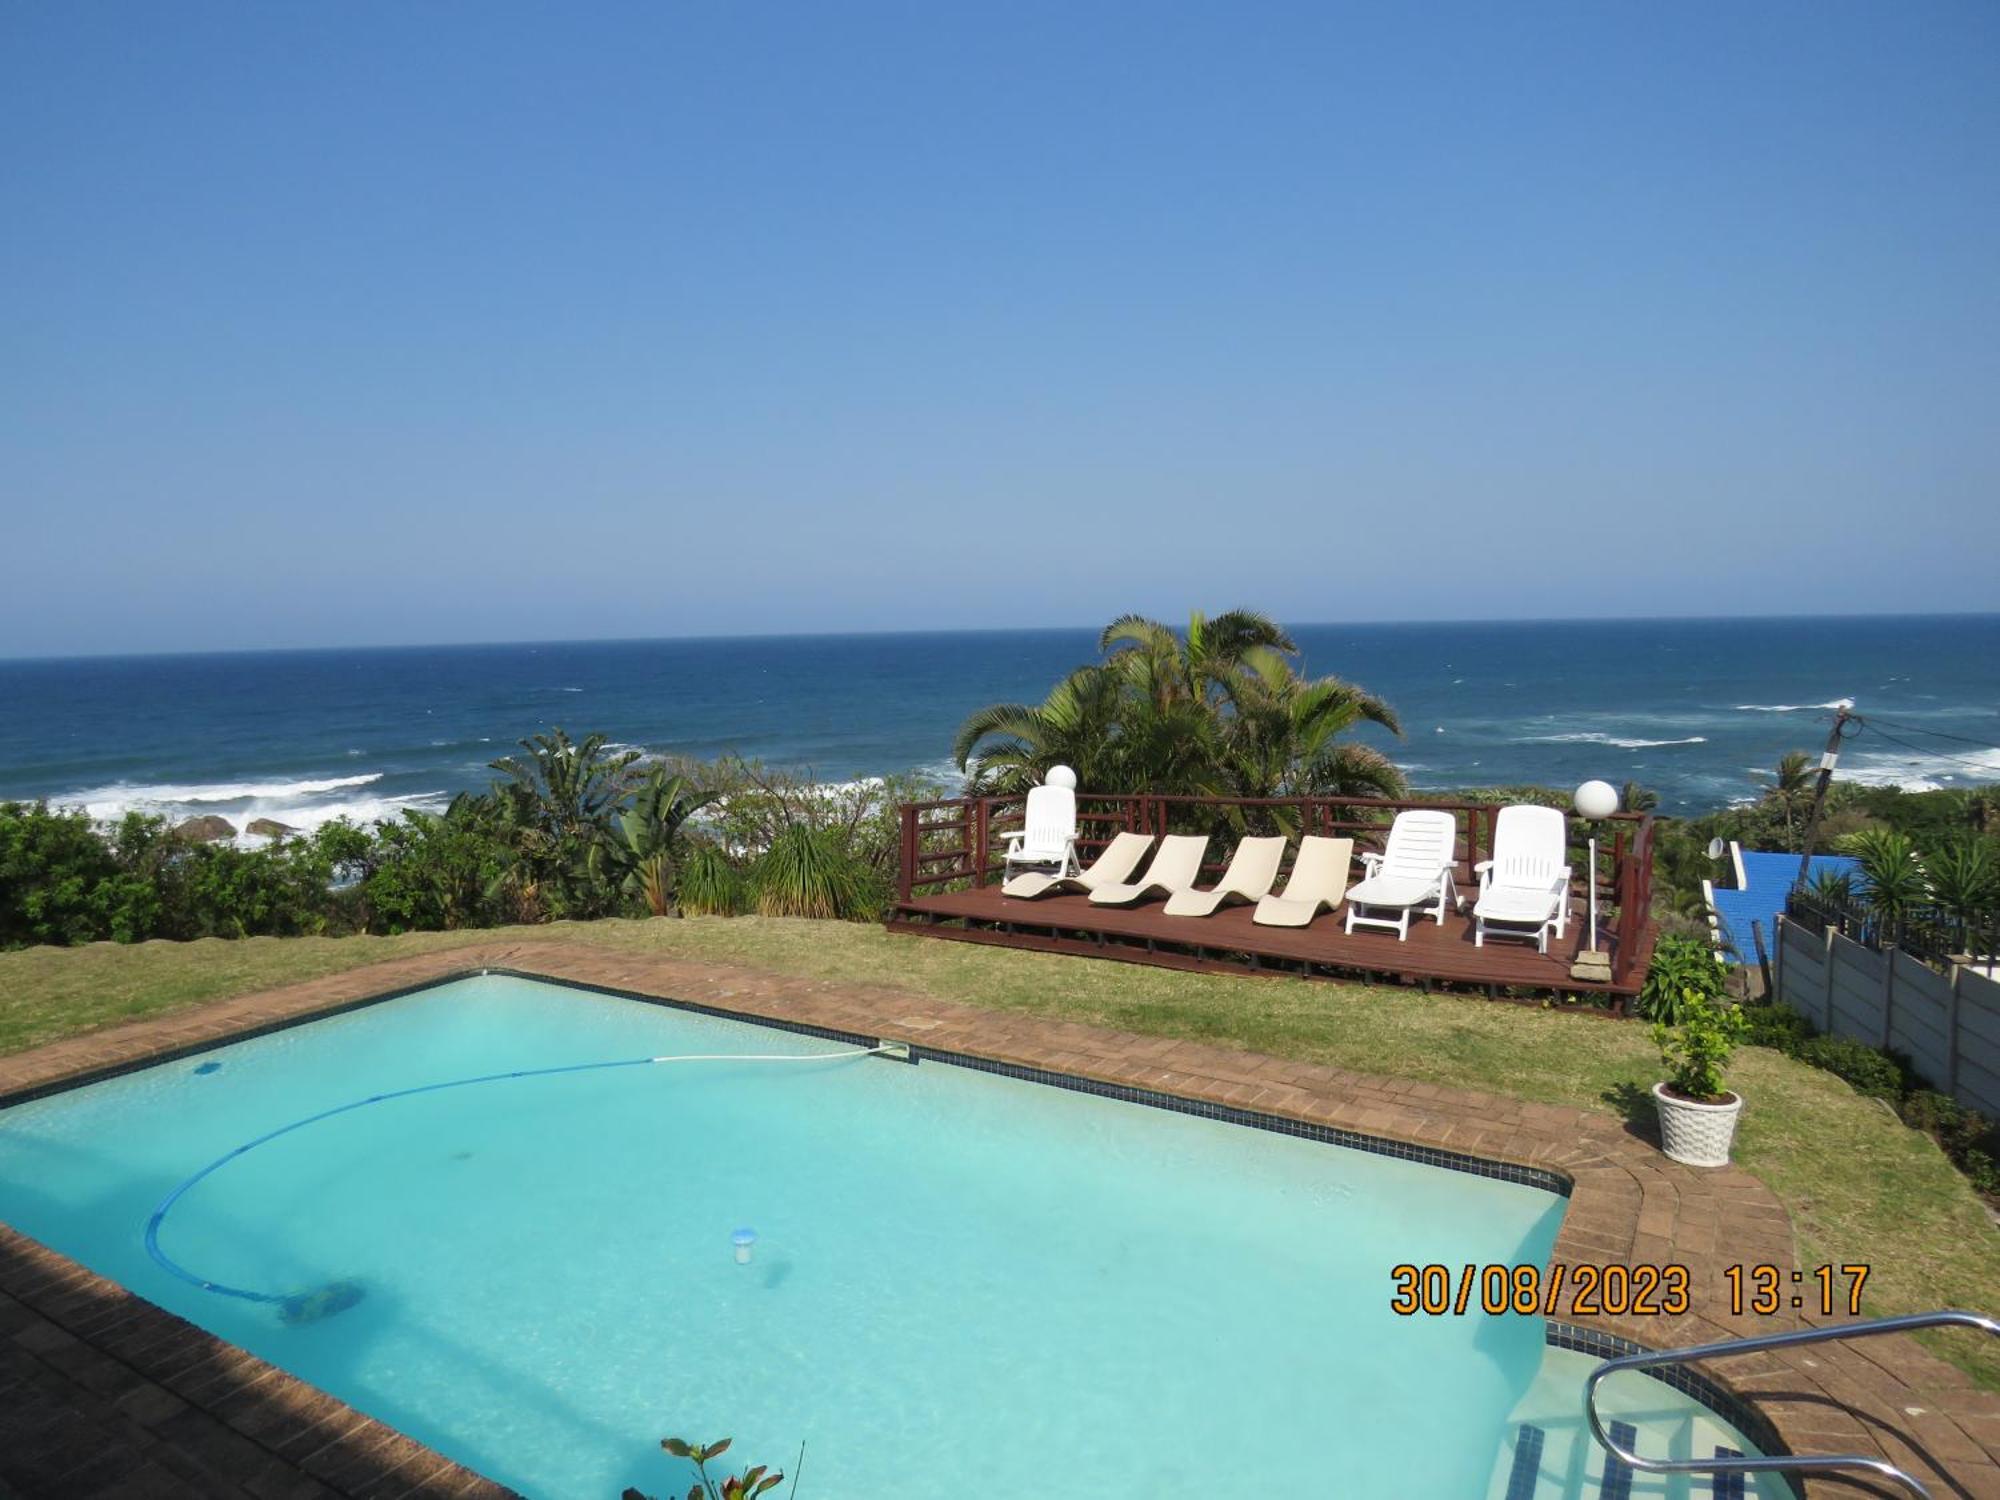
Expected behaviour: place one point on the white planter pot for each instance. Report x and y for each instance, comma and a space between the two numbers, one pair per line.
1697, 1135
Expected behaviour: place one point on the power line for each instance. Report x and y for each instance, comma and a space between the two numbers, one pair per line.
1936, 733
1965, 760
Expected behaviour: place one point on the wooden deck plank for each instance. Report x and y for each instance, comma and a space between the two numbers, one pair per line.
1231, 940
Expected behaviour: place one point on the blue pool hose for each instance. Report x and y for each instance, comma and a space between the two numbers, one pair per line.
301, 1307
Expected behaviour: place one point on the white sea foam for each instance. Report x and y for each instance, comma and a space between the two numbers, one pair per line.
1786, 708
121, 794
304, 804
1915, 772
1619, 742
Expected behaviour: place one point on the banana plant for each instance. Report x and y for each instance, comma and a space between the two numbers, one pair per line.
640, 855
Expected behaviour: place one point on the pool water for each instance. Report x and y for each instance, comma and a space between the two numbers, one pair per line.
963, 1283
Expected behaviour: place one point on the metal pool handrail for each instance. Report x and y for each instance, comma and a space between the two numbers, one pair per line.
1785, 1462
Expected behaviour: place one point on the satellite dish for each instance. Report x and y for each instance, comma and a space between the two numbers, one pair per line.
1715, 848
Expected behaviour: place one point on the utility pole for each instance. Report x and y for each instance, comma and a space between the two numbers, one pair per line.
1842, 712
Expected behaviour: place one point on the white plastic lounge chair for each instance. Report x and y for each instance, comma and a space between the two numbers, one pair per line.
1319, 879
1050, 835
1176, 867
1524, 887
1120, 858
1253, 870
1413, 870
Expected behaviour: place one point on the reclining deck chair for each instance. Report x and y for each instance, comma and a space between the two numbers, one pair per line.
1524, 887
1413, 870
1049, 837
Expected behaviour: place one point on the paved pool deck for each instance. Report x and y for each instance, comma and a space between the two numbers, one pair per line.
105, 1394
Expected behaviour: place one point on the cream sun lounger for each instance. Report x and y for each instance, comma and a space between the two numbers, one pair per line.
1253, 870
1176, 867
1413, 870
1524, 887
1319, 879
1120, 858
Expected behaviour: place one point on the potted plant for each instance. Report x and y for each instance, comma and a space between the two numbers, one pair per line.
1697, 1114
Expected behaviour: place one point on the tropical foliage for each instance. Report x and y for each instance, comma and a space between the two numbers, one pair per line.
1219, 709
569, 829
1681, 966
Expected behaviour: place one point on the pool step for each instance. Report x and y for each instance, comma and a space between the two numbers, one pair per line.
1562, 1461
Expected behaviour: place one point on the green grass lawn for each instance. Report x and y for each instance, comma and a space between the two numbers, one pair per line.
1860, 1186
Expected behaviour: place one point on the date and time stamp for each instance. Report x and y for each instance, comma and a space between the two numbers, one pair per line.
1620, 1291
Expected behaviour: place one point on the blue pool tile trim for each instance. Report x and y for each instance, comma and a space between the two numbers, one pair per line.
1527, 1462
1430, 1156
1331, 1135
1728, 1486
1617, 1483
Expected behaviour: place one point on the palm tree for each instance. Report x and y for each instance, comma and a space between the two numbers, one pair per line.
1894, 880
1965, 878
1637, 798
1008, 747
557, 804
1790, 788
1282, 740
1218, 711
1982, 811
641, 856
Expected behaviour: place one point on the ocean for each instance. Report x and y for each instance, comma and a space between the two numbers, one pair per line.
1691, 708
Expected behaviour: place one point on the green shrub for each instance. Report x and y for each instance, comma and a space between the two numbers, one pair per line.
1681, 966
708, 884
1776, 1026
57, 878
1983, 1171
1698, 1047
1867, 1070
805, 873
1933, 1113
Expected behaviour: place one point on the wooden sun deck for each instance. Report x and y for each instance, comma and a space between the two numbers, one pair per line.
1231, 940
950, 876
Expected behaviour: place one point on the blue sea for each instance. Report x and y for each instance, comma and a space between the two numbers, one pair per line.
1692, 708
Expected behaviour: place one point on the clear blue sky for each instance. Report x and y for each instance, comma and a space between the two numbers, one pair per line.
374, 322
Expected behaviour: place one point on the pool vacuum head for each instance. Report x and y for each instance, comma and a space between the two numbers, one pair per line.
311, 1307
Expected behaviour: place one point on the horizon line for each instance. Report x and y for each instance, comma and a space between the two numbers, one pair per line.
165, 654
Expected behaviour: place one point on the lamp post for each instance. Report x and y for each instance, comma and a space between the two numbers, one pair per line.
1594, 800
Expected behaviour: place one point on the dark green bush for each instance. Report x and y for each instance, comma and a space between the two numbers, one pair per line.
708, 884
1776, 1026
1866, 1070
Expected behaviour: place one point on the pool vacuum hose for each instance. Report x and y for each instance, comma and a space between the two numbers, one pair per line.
337, 1296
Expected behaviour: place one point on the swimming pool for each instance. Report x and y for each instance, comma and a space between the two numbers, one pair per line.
963, 1283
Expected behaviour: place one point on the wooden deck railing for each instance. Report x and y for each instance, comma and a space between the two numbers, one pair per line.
960, 842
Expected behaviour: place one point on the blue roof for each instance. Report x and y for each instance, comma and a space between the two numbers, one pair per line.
1767, 878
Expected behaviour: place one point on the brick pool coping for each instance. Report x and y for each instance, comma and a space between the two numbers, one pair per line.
102, 1393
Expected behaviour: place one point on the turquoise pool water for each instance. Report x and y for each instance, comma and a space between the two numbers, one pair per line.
963, 1284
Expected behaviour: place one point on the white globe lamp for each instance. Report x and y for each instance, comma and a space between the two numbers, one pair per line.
1595, 800
1061, 776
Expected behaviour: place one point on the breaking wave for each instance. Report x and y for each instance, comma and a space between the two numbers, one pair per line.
1593, 737
304, 804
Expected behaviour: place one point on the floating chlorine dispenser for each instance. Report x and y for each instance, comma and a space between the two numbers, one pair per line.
743, 1240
